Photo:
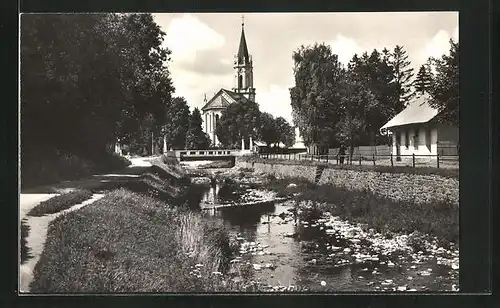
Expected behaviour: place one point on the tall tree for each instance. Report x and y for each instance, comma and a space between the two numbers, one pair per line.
176, 124
315, 98
238, 121
423, 81
195, 137
87, 79
357, 100
445, 91
378, 75
402, 75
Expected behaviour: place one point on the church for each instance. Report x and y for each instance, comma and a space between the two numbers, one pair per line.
242, 92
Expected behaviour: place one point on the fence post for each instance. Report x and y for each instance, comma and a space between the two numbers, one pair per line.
360, 159
413, 158
373, 159
437, 158
294, 156
392, 162
327, 157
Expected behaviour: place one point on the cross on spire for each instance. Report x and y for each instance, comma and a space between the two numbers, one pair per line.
242, 20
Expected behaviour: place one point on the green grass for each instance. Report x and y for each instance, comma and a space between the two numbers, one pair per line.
60, 202
384, 215
126, 242
444, 172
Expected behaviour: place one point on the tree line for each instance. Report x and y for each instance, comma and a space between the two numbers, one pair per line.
245, 120
88, 80
333, 104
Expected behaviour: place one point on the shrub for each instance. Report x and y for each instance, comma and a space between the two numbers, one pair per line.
60, 202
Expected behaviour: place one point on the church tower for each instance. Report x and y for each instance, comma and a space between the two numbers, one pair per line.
244, 69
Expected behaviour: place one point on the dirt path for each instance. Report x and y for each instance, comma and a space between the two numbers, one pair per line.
38, 226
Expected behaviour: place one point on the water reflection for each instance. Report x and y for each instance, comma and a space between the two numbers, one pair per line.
301, 250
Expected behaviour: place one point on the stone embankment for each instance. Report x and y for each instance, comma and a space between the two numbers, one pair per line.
415, 188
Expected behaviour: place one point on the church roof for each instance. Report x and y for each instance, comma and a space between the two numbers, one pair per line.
223, 98
243, 50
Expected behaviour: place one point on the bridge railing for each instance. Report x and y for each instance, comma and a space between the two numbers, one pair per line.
209, 152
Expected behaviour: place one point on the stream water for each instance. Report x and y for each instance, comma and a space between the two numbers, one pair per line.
323, 253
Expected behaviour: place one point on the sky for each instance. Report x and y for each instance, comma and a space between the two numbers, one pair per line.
203, 46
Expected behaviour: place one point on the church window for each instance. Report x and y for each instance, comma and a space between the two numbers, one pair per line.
240, 81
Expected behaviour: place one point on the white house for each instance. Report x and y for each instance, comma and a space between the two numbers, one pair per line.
416, 131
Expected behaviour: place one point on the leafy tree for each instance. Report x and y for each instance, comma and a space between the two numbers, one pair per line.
445, 89
195, 137
402, 75
315, 97
89, 79
176, 124
357, 100
268, 131
423, 81
286, 132
238, 121
378, 75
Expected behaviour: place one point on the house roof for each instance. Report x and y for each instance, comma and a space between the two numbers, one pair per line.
417, 111
222, 99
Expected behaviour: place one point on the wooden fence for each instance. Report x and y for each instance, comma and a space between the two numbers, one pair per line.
439, 161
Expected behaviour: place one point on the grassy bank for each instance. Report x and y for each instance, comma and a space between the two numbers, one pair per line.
448, 173
60, 202
139, 238
127, 242
53, 166
384, 215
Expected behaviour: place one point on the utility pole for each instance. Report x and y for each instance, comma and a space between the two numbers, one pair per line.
152, 144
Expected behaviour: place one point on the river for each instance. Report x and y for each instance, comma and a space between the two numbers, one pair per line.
287, 249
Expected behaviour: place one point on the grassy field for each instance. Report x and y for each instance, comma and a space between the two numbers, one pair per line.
439, 219
61, 202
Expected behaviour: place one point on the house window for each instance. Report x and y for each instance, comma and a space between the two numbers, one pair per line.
416, 139
428, 139
407, 139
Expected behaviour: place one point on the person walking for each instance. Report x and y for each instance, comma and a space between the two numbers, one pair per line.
342, 154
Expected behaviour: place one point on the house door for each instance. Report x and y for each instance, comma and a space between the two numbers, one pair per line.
398, 146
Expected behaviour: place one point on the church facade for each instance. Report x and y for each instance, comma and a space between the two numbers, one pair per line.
242, 92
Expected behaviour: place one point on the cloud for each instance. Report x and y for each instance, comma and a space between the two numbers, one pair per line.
345, 48
187, 35
207, 62
275, 100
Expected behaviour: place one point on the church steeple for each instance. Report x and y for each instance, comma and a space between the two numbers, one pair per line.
243, 50
244, 68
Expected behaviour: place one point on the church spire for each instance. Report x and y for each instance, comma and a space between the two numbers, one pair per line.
243, 50
244, 68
